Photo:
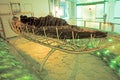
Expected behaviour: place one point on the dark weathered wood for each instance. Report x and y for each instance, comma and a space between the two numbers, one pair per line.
64, 29
43, 21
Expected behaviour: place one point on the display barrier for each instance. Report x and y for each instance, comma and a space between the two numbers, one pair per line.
105, 26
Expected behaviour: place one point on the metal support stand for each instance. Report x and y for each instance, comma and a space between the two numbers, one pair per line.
46, 58
57, 33
45, 35
73, 36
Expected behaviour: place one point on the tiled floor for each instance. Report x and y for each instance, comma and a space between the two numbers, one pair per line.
65, 66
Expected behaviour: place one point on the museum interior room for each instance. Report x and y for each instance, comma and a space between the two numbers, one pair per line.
59, 40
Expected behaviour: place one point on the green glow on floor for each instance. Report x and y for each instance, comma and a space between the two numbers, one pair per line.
110, 39
106, 52
10, 68
113, 64
98, 53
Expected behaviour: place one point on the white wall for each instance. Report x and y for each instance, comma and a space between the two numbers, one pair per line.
113, 14
39, 7
72, 13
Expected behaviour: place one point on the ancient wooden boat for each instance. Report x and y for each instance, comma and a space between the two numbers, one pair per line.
57, 34
56, 26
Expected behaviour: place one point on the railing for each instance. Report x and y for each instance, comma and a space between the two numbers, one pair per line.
105, 26
100, 25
